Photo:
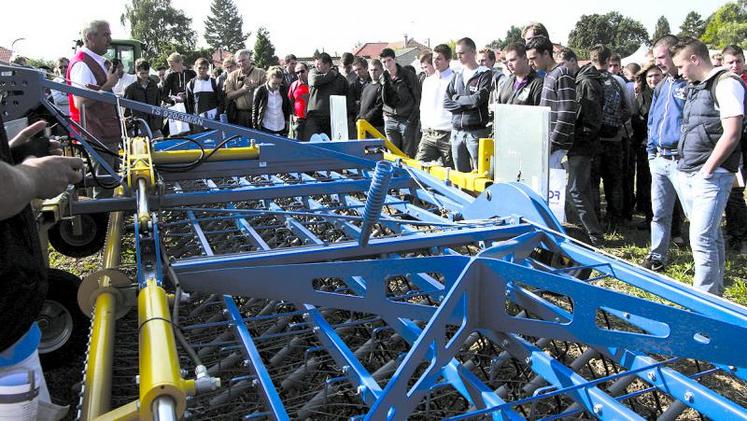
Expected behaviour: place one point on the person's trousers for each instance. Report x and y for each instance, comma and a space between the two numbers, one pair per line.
244, 118
402, 133
607, 167
704, 200
664, 192
317, 123
628, 180
464, 148
643, 184
579, 193
435, 145
297, 128
736, 216
103, 189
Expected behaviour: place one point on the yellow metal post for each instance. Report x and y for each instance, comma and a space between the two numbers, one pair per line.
160, 375
97, 392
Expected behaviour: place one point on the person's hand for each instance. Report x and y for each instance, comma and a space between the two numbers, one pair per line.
112, 78
556, 158
55, 147
26, 134
51, 175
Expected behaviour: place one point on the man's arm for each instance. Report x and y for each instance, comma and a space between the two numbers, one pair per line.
562, 134
17, 189
449, 103
725, 144
481, 96
80, 79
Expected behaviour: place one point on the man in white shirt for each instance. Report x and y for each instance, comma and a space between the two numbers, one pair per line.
435, 121
709, 155
86, 70
125, 79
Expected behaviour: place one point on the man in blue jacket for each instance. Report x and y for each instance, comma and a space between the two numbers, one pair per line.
467, 99
664, 121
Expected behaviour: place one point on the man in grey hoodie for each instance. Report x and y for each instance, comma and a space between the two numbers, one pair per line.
467, 99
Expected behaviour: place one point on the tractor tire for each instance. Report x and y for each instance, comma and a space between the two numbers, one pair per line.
63, 325
91, 240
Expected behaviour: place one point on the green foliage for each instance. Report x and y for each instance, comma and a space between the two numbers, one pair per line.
621, 34
693, 26
264, 51
728, 25
159, 25
662, 28
223, 28
33, 62
512, 35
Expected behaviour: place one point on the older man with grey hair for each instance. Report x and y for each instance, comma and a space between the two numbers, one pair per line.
240, 86
87, 70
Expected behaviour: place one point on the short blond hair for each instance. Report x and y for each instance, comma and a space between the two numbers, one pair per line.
275, 71
175, 58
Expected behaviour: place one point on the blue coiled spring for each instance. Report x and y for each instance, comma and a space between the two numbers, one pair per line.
375, 199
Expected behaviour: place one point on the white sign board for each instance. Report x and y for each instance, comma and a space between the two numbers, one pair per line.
338, 114
522, 148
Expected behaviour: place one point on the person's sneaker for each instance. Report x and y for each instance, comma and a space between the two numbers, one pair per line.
653, 264
678, 241
644, 226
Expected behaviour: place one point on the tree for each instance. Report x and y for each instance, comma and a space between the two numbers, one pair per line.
661, 29
620, 33
728, 25
223, 26
162, 28
264, 51
693, 26
512, 35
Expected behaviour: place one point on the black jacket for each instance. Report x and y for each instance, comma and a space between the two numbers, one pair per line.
639, 119
149, 95
176, 83
401, 97
260, 103
468, 100
23, 278
355, 91
372, 106
589, 115
529, 93
321, 86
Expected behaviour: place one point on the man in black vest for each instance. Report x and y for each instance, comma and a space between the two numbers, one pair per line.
23, 277
709, 155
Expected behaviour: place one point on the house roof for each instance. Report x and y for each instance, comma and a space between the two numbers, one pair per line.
373, 49
370, 49
5, 54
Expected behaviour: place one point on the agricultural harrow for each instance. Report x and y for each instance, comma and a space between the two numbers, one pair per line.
272, 279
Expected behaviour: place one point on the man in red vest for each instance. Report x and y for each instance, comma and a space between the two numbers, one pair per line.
86, 70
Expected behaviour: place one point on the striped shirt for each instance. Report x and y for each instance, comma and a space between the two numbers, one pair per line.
559, 93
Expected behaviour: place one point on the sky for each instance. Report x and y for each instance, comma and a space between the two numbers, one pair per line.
49, 27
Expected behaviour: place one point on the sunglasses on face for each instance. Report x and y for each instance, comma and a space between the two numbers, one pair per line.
300, 72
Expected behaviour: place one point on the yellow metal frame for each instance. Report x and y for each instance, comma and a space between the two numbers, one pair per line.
97, 392
160, 374
139, 164
475, 181
223, 154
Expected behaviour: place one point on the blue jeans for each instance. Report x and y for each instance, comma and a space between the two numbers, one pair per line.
704, 201
664, 190
464, 146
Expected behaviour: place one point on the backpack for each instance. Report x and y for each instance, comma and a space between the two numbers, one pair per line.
612, 106
714, 82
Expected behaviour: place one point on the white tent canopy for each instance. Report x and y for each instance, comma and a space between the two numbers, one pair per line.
639, 56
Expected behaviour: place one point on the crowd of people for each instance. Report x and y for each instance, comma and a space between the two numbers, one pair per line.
655, 135
665, 138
